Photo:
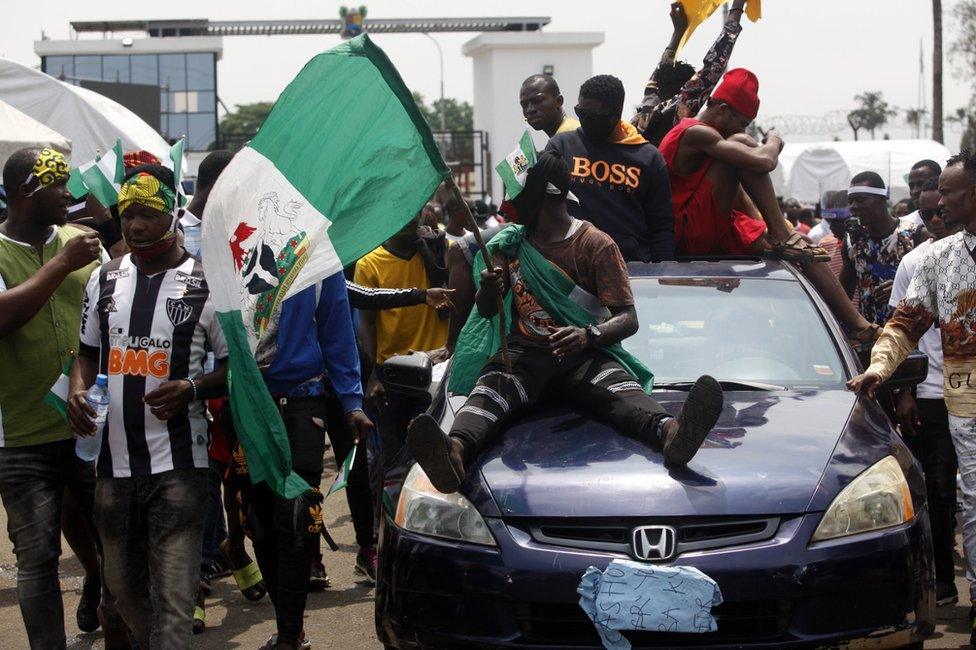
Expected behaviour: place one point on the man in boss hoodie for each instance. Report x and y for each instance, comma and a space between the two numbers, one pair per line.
620, 179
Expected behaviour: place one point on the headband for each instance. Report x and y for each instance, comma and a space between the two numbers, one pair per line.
145, 189
866, 189
49, 168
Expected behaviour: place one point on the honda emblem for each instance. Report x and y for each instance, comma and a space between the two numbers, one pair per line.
654, 542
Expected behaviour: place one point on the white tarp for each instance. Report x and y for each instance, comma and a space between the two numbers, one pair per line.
18, 130
90, 120
808, 169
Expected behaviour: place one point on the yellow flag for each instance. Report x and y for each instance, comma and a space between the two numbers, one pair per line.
699, 10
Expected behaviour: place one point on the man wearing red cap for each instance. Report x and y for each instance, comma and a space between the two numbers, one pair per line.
711, 162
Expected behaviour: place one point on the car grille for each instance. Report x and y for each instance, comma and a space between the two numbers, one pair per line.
566, 624
614, 536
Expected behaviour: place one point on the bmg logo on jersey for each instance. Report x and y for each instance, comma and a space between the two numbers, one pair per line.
600, 171
138, 363
129, 355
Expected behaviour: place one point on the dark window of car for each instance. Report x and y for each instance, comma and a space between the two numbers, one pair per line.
735, 329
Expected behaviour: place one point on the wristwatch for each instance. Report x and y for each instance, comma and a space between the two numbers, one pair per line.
594, 334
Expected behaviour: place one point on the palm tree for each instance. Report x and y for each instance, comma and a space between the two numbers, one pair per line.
916, 117
874, 111
937, 133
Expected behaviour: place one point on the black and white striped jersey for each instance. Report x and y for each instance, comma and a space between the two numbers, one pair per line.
145, 331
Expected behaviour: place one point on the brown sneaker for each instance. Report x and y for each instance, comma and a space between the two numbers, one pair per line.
435, 453
684, 435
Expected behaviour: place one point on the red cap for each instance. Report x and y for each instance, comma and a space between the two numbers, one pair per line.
739, 89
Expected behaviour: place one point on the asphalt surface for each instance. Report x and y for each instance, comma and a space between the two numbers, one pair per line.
338, 618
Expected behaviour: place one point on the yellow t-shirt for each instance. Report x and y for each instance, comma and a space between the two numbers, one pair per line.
408, 328
568, 124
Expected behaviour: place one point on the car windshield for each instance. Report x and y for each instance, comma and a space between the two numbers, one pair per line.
736, 329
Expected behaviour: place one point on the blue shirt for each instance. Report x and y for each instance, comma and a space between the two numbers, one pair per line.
316, 338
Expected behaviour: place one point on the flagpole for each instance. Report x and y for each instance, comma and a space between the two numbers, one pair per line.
473, 225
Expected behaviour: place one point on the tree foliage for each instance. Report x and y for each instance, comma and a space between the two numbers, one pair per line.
458, 116
240, 126
872, 114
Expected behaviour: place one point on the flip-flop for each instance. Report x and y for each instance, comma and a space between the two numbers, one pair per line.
431, 448
698, 416
248, 577
797, 249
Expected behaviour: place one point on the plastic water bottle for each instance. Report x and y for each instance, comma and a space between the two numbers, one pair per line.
87, 447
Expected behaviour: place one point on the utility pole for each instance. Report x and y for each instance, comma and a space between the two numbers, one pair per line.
937, 132
440, 55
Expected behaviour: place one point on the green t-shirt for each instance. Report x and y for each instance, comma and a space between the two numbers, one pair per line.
32, 358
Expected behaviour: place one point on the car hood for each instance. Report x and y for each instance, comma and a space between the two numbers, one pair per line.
766, 456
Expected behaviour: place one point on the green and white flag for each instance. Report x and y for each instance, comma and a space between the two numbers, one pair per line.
343, 161
515, 167
57, 397
102, 176
342, 478
174, 161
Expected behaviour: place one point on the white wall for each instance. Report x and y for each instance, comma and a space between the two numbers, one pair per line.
502, 60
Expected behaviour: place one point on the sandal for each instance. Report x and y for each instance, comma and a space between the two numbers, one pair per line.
246, 574
798, 249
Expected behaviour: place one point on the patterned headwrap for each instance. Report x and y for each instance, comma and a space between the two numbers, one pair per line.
145, 189
133, 159
49, 168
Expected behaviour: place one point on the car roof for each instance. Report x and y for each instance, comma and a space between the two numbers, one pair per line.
729, 267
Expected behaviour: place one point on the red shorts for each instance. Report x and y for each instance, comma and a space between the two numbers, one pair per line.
699, 229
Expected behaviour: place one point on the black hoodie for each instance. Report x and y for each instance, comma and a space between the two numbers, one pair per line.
624, 190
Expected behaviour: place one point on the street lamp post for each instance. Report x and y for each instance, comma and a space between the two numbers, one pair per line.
440, 55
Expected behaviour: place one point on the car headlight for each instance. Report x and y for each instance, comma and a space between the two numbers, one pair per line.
422, 509
878, 498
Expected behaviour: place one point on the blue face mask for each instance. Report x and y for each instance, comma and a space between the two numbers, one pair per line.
836, 213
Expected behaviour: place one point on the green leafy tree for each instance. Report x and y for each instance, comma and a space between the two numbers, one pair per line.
916, 117
872, 114
965, 119
458, 116
240, 126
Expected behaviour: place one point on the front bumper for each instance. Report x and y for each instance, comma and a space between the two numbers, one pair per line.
873, 590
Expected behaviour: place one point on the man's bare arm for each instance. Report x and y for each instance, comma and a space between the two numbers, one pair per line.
701, 139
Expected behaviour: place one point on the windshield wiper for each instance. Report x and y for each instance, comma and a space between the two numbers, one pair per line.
724, 383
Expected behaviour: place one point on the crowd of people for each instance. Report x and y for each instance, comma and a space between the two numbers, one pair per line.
167, 505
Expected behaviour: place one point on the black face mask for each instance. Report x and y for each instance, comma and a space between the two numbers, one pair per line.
597, 125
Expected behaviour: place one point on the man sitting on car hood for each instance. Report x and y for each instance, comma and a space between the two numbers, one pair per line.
568, 306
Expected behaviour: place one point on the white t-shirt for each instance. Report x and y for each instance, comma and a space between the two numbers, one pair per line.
819, 231
914, 217
931, 341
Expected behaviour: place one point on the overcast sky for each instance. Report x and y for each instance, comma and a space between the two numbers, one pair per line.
811, 57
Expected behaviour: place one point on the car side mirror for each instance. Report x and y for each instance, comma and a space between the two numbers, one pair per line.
408, 374
912, 371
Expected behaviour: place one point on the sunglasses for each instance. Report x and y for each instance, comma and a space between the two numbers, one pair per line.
928, 214
583, 113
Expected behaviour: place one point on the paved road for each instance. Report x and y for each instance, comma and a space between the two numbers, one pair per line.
338, 618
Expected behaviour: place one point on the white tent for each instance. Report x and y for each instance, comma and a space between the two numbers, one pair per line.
808, 169
18, 131
90, 120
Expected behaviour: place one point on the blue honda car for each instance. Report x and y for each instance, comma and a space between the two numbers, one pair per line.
803, 505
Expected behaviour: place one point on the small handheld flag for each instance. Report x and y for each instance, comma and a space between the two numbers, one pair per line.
515, 167
342, 478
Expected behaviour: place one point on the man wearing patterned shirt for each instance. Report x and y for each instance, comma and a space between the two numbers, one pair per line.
875, 244
943, 290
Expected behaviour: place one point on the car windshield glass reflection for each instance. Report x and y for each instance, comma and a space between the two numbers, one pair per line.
744, 329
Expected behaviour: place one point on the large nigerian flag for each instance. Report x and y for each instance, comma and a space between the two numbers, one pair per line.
342, 162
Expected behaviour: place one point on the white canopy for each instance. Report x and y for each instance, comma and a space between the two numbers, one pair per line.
90, 120
18, 131
808, 169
